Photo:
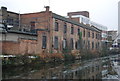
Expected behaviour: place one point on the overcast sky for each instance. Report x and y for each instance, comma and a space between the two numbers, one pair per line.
104, 12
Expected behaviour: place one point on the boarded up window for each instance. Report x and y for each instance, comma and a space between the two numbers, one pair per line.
44, 42
64, 43
78, 44
56, 42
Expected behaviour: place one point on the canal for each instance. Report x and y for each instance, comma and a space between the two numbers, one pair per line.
89, 69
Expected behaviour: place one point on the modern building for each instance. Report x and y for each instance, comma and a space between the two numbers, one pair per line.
45, 32
102, 28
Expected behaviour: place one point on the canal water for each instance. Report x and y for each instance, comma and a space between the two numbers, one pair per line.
90, 69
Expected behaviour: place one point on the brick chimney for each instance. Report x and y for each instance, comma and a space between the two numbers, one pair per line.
47, 8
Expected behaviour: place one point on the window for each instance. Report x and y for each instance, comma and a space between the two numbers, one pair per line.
84, 33
16, 22
96, 36
84, 43
78, 44
72, 30
88, 44
99, 36
10, 21
56, 42
78, 31
32, 25
71, 43
92, 45
96, 46
44, 42
65, 28
88, 33
93, 35
64, 43
56, 26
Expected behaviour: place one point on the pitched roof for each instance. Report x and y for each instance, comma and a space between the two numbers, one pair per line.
74, 22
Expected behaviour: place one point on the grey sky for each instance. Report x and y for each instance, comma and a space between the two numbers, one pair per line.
104, 12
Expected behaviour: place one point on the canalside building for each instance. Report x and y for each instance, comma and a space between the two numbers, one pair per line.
46, 33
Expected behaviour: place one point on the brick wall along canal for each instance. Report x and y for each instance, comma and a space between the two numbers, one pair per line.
90, 69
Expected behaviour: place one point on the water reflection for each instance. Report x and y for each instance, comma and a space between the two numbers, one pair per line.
92, 69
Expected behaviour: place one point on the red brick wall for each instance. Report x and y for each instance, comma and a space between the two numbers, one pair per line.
10, 47
27, 46
40, 18
39, 49
21, 47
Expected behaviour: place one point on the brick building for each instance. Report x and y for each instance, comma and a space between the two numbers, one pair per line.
83, 17
10, 18
52, 33
112, 35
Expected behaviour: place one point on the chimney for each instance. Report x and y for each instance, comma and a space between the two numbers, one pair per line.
47, 8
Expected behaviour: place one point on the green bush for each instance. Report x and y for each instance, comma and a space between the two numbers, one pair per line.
69, 57
86, 55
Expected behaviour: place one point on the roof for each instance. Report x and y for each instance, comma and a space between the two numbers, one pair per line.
22, 32
112, 31
19, 32
13, 12
74, 22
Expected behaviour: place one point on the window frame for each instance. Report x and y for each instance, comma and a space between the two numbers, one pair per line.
56, 42
44, 42
56, 26
65, 28
78, 31
72, 30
